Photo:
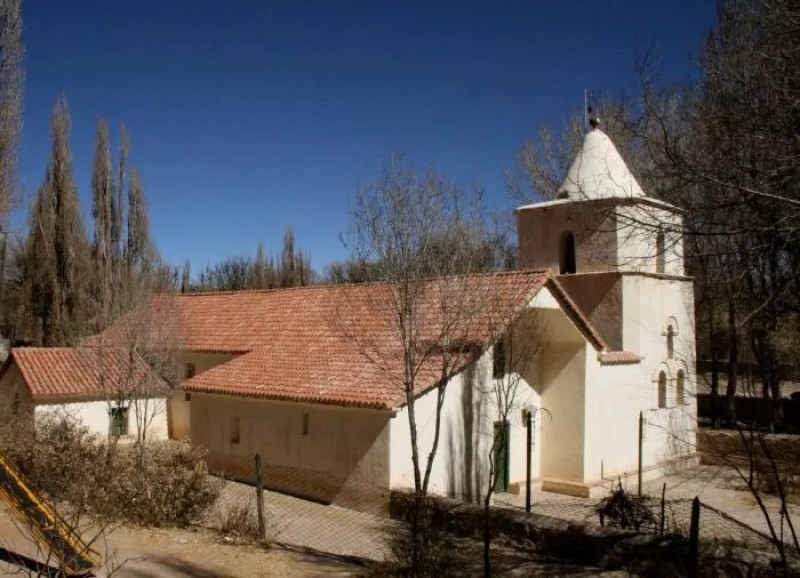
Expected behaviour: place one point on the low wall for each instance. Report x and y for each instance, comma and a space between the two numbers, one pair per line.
718, 445
751, 409
607, 548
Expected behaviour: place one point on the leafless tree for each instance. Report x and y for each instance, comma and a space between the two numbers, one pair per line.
55, 259
137, 360
12, 75
515, 354
419, 231
102, 213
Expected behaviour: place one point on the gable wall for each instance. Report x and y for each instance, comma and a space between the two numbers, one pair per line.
179, 408
12, 386
599, 297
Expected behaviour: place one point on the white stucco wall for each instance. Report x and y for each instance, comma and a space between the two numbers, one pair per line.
461, 466
616, 394
563, 429
637, 226
95, 416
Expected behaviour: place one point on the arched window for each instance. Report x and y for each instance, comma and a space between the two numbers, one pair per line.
670, 342
660, 247
567, 254
662, 390
680, 395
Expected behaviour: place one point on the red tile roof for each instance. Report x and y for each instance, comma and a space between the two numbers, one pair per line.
80, 373
619, 357
337, 345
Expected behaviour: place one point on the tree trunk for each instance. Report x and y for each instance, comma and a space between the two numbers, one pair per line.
714, 351
733, 365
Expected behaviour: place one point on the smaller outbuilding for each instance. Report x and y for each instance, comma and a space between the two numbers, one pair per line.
110, 391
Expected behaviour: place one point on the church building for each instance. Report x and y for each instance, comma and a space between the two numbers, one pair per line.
601, 303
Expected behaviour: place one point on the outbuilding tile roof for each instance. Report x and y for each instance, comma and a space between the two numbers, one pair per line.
81, 372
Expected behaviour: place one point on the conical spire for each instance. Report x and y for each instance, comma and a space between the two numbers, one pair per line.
598, 171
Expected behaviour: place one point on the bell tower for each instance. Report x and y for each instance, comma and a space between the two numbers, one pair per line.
601, 232
601, 220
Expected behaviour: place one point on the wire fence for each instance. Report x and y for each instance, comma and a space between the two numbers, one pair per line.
353, 519
357, 525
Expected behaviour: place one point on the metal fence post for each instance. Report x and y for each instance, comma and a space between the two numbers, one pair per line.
641, 443
694, 538
528, 463
262, 526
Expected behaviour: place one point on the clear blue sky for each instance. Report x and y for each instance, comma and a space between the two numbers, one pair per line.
247, 116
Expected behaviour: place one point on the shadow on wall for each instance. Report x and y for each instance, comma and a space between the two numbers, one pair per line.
465, 474
306, 483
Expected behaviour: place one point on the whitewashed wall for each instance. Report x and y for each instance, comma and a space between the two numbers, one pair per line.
617, 394
637, 226
95, 416
461, 464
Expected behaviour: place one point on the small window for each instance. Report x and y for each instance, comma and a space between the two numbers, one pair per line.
660, 249
305, 424
187, 396
499, 359
662, 390
119, 421
235, 429
567, 263
190, 371
680, 393
15, 403
670, 342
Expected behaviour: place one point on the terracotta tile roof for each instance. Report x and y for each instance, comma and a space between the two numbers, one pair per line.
335, 344
79, 373
619, 357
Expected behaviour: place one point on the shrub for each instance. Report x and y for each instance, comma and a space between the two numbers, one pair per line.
622, 509
80, 470
238, 520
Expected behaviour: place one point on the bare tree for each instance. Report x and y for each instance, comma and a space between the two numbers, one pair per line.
12, 53
137, 361
56, 255
517, 346
419, 232
102, 201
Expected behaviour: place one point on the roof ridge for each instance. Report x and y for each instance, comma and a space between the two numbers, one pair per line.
321, 286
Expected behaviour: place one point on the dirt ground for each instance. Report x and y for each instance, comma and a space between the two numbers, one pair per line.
145, 553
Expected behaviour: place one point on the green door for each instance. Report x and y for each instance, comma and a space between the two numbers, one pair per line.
501, 456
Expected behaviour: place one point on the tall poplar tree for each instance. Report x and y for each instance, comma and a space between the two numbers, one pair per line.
12, 75
102, 213
57, 256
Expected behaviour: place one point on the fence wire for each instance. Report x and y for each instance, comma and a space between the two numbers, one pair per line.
352, 519
361, 529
